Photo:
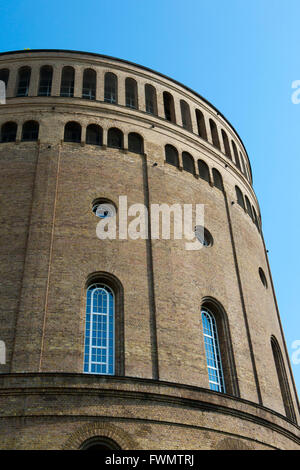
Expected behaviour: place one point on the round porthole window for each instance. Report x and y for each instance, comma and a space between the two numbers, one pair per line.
103, 209
263, 277
203, 236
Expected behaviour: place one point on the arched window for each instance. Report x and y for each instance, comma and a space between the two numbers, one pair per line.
283, 380
100, 443
255, 218
94, 134
67, 82
218, 181
239, 196
9, 132
185, 115
99, 349
203, 170
248, 207
4, 74
104, 325
135, 143
188, 162
150, 98
30, 131
169, 107
263, 277
131, 93
89, 84
72, 132
212, 350
201, 124
115, 138
171, 155
236, 156
110, 88
243, 164
45, 85
23, 81
218, 348
248, 171
226, 144
214, 134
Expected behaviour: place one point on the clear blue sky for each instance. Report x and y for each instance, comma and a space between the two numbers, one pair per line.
242, 55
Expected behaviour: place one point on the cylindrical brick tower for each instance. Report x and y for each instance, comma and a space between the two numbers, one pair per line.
131, 343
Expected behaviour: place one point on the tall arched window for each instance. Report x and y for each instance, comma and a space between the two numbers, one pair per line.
255, 218
171, 155
23, 81
45, 85
4, 74
218, 348
131, 93
203, 170
248, 207
72, 132
243, 164
185, 115
30, 131
236, 156
240, 197
226, 144
89, 84
214, 134
248, 170
150, 99
9, 132
99, 349
218, 181
110, 88
283, 380
67, 81
115, 138
188, 162
94, 134
212, 351
135, 143
169, 107
201, 124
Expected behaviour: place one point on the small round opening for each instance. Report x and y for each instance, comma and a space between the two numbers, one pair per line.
263, 277
103, 209
203, 236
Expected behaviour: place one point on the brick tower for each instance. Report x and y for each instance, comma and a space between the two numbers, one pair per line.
131, 343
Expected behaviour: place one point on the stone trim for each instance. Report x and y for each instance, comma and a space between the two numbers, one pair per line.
92, 430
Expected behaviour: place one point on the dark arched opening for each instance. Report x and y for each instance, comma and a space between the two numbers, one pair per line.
72, 132
30, 131
171, 155
115, 138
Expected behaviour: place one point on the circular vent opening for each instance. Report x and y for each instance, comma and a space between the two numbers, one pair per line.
103, 209
203, 236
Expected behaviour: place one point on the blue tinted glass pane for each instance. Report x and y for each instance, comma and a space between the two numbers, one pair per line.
212, 351
99, 332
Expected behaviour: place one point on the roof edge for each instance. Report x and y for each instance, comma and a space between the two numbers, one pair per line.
95, 54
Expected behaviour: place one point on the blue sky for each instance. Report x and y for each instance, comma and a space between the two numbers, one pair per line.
242, 55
